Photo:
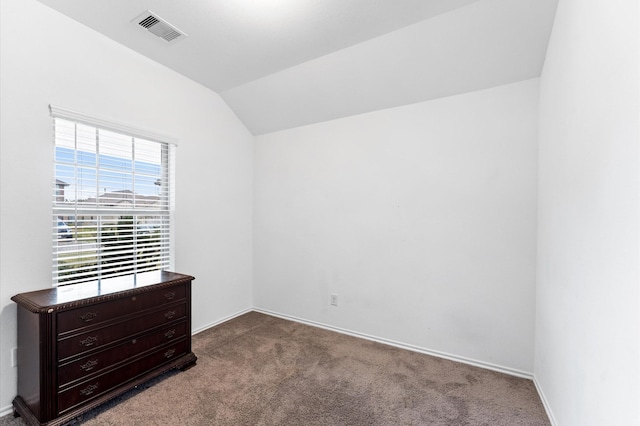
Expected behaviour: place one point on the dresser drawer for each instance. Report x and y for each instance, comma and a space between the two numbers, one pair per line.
77, 344
84, 344
98, 385
92, 314
97, 362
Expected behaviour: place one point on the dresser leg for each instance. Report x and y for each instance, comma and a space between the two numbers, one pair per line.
188, 366
191, 361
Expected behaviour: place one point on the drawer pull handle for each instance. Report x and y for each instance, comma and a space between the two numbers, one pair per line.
169, 334
89, 341
89, 365
89, 316
170, 314
169, 353
170, 295
89, 389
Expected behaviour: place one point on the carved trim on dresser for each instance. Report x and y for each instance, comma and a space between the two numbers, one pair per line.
34, 307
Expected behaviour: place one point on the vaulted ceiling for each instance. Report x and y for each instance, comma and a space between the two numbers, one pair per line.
285, 63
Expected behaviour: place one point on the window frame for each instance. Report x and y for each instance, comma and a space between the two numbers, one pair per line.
166, 199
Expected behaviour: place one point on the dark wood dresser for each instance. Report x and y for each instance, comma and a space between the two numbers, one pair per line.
83, 344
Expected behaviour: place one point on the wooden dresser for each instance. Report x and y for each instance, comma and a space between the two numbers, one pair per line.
81, 345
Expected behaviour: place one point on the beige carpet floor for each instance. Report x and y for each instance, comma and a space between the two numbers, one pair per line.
261, 370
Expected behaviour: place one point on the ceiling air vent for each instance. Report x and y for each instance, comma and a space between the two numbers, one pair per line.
158, 26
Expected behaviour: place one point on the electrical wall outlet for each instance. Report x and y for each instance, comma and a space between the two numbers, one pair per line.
334, 299
14, 357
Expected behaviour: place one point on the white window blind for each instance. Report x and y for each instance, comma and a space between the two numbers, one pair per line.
113, 200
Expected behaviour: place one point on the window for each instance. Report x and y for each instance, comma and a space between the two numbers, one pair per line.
112, 200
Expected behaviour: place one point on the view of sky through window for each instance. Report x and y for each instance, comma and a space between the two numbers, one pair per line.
111, 204
94, 162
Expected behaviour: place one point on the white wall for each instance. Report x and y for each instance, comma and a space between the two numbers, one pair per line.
587, 293
48, 58
421, 218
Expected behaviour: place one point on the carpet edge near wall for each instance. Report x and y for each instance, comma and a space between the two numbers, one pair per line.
221, 321
400, 345
512, 372
475, 363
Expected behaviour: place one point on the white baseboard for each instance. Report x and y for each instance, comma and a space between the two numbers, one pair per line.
545, 402
220, 321
476, 363
5, 411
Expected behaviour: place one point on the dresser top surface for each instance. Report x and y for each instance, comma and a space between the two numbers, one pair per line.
69, 296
